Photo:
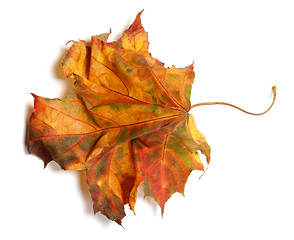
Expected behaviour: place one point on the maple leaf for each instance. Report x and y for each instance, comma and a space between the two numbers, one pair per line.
125, 121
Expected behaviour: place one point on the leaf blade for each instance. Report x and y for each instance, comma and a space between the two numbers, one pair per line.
110, 181
164, 162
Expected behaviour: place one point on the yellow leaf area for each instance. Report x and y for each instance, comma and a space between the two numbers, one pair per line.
125, 122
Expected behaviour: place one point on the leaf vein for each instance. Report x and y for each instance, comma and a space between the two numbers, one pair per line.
66, 114
112, 72
101, 130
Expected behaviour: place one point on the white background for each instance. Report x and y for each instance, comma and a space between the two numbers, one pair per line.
240, 49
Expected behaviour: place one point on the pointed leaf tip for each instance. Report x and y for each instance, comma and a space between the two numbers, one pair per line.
139, 14
136, 25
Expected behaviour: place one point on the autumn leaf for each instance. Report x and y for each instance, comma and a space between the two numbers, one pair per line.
125, 122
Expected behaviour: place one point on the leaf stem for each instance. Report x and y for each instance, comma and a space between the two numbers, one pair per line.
231, 105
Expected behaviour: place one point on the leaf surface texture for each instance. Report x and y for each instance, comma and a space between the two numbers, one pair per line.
125, 122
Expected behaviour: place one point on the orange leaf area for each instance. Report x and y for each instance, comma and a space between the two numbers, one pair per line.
125, 122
